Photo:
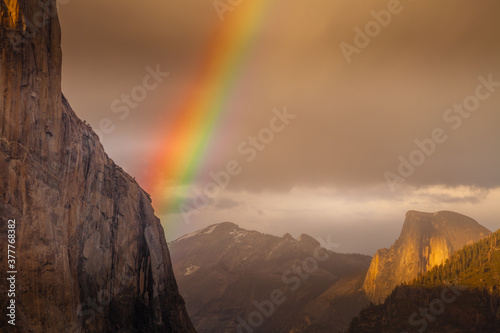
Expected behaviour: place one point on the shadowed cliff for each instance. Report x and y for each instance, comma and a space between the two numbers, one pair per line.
91, 255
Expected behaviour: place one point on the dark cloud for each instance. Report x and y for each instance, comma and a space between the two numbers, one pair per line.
353, 122
227, 203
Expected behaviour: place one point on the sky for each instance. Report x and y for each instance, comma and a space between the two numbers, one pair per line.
330, 100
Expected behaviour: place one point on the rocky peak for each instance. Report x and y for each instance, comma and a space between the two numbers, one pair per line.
453, 226
222, 227
308, 240
426, 240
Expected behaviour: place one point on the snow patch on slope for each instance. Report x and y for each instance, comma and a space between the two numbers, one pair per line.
209, 231
237, 234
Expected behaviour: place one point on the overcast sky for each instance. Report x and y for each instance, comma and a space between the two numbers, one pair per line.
325, 173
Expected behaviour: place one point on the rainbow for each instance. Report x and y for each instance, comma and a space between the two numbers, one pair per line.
186, 141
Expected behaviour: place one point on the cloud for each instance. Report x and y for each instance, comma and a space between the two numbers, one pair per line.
365, 225
355, 120
445, 195
227, 203
324, 172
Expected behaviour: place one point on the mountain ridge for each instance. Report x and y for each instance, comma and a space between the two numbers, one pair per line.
239, 267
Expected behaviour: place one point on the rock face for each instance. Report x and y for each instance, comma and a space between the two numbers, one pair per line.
427, 239
460, 296
91, 255
223, 270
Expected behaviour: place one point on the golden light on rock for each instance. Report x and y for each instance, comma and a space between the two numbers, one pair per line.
12, 12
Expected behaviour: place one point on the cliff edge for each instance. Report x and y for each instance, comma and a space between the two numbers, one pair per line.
90, 254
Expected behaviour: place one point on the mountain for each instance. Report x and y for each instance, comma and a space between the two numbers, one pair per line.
461, 295
89, 253
333, 310
240, 280
426, 240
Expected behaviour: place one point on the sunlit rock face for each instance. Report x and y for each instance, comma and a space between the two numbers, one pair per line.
427, 239
10, 12
92, 257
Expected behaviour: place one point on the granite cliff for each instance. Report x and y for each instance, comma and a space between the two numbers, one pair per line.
91, 255
462, 295
426, 240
